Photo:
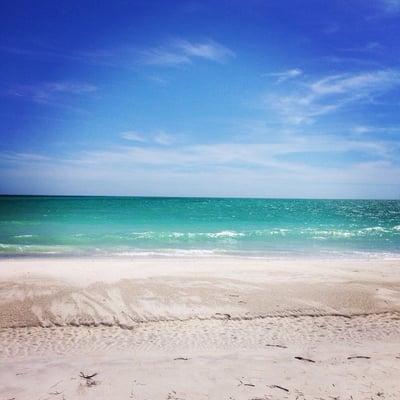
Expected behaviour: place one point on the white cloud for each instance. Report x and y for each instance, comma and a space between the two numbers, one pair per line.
370, 47
365, 129
45, 91
209, 50
158, 137
11, 156
364, 83
134, 136
331, 93
361, 129
228, 168
179, 52
158, 80
224, 169
160, 56
285, 75
70, 87
391, 6
164, 139
246, 155
172, 53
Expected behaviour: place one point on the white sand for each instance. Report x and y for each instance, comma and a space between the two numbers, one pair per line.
206, 328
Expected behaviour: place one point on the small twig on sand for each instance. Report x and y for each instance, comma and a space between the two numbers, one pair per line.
82, 375
172, 396
280, 346
305, 359
279, 387
89, 378
241, 383
181, 359
265, 397
364, 357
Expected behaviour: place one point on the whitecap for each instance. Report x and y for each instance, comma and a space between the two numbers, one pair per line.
374, 229
226, 234
23, 236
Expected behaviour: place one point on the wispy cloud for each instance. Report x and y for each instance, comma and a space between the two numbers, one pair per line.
367, 129
162, 56
361, 129
19, 157
164, 139
370, 47
98, 57
133, 136
351, 62
246, 154
331, 93
364, 83
158, 80
179, 51
158, 137
46, 91
285, 75
391, 6
128, 56
220, 168
209, 50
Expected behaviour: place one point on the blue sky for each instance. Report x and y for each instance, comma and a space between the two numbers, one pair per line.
201, 98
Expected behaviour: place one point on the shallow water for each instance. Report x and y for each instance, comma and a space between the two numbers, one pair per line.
41, 225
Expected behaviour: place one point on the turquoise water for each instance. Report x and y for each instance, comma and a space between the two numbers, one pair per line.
196, 226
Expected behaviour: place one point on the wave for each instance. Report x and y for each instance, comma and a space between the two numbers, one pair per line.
23, 236
189, 235
226, 234
270, 254
222, 236
166, 253
374, 229
191, 243
259, 233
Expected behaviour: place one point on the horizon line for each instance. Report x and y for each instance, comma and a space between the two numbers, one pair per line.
202, 197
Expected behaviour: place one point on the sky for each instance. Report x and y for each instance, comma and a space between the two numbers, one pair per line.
255, 98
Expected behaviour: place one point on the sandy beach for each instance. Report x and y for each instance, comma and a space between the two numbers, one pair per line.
200, 200
199, 328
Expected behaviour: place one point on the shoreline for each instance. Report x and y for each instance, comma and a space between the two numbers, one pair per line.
190, 254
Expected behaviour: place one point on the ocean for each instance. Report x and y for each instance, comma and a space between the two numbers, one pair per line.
143, 226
